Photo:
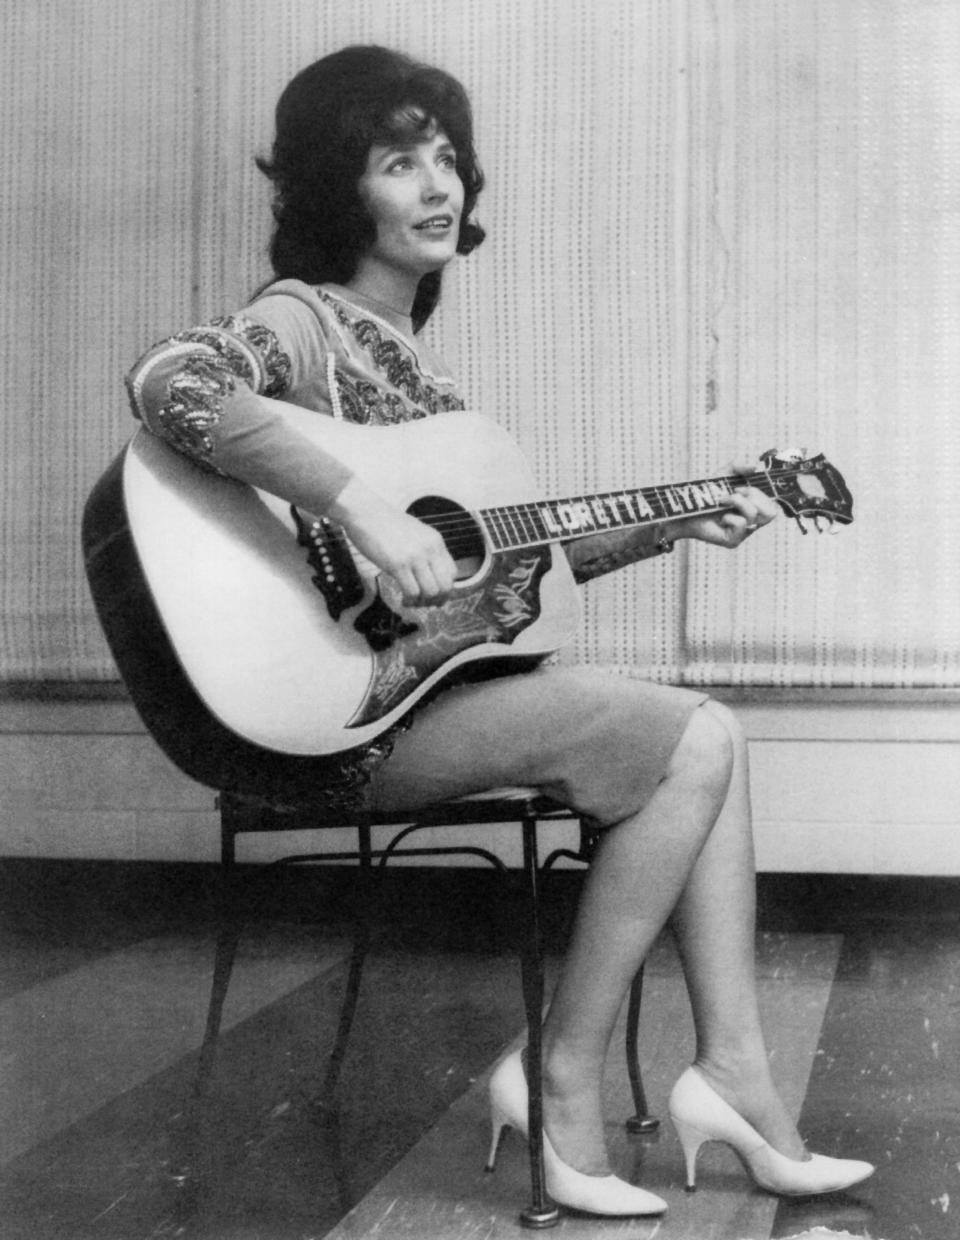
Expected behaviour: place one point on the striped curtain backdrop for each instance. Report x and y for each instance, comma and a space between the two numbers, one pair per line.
829, 268
97, 240
712, 228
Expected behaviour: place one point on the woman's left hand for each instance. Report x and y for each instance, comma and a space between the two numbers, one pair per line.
749, 509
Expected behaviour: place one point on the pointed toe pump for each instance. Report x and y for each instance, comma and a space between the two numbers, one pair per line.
593, 1194
699, 1114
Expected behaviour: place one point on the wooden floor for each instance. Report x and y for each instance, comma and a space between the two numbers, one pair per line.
103, 990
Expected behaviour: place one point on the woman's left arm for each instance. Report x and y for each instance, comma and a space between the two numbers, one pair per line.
748, 510
596, 554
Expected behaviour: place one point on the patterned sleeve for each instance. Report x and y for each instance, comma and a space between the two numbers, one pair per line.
605, 553
180, 387
201, 391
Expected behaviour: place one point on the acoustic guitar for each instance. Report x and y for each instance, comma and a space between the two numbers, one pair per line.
276, 629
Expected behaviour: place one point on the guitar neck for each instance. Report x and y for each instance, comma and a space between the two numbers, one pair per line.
550, 521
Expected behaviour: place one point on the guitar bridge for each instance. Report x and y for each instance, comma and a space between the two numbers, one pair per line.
335, 574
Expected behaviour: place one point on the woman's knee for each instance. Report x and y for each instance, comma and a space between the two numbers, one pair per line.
730, 723
707, 749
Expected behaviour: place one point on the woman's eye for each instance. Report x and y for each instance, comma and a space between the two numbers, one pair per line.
400, 165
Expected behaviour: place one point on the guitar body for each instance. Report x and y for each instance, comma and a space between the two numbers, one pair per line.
281, 662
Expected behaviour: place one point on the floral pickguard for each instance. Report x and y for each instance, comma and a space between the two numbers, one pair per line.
499, 607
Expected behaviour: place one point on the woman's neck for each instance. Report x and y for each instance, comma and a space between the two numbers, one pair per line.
390, 289
398, 321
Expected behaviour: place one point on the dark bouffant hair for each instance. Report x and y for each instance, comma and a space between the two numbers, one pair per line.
327, 119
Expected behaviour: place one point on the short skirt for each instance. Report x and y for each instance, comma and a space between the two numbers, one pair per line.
594, 738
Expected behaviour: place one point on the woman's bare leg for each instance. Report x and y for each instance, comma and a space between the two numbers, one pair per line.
690, 850
687, 851
715, 924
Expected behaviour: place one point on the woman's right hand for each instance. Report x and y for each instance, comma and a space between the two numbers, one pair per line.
412, 552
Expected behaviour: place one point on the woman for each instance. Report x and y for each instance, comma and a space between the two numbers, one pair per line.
376, 180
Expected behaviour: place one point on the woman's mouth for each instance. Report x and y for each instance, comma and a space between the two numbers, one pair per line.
436, 223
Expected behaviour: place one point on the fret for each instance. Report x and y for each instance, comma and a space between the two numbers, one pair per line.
495, 527
513, 525
528, 522
507, 526
526, 525
540, 531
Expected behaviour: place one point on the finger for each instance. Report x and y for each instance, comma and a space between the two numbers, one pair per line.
764, 509
767, 507
745, 467
437, 570
409, 586
436, 579
432, 590
742, 505
733, 529
444, 568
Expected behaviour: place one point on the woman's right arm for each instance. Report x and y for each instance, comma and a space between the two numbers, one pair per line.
202, 392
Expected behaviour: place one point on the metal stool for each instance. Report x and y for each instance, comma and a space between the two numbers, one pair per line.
525, 807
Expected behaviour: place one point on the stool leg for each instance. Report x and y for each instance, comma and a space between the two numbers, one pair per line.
642, 1120
358, 955
231, 925
184, 1167
541, 1212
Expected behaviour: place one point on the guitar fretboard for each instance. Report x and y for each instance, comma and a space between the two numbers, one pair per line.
549, 521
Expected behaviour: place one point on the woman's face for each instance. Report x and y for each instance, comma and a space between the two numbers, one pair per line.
415, 195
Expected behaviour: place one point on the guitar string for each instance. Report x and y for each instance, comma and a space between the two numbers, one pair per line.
530, 509
461, 533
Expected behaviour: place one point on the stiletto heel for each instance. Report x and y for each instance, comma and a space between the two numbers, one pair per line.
593, 1194
699, 1114
500, 1125
690, 1139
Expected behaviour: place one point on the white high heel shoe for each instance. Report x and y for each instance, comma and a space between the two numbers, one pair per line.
699, 1114
594, 1194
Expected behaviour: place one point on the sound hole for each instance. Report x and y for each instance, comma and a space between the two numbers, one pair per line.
461, 533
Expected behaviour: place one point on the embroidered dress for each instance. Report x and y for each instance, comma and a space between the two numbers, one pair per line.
338, 354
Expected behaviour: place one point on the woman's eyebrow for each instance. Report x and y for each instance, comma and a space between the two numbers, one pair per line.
402, 146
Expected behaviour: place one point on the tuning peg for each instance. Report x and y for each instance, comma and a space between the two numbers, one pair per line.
799, 521
783, 457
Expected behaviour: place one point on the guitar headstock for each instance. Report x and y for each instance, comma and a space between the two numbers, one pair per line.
808, 487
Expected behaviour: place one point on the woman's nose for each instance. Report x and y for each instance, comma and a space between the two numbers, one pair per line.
432, 186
